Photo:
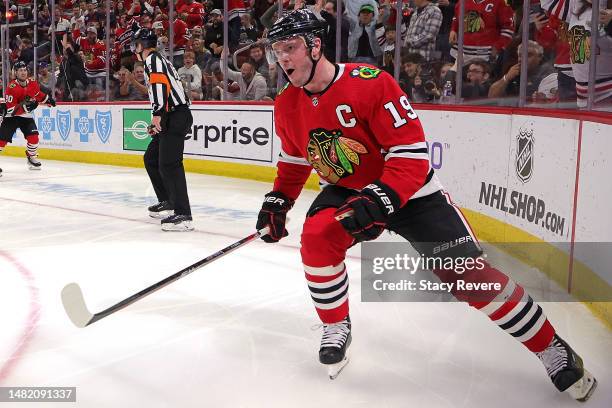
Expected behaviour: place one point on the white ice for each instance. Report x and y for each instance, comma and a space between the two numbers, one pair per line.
236, 333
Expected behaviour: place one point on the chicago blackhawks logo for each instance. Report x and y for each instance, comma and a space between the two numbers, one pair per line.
473, 22
365, 72
580, 44
333, 155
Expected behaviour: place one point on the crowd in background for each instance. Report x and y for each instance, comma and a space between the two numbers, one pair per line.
428, 42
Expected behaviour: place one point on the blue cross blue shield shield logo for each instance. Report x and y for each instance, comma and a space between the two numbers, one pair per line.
104, 122
64, 119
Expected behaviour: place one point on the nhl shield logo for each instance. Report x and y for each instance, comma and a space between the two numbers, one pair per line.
64, 119
104, 122
524, 154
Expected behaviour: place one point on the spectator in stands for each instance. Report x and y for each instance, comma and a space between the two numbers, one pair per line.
24, 52
181, 37
425, 22
551, 33
410, 80
257, 54
72, 79
196, 33
447, 7
388, 48
162, 38
248, 32
214, 34
508, 85
93, 54
235, 9
138, 81
44, 78
488, 29
362, 43
124, 90
202, 55
193, 12
44, 21
191, 76
253, 86
477, 84
330, 12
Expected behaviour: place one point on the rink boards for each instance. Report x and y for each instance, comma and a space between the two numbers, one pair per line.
520, 178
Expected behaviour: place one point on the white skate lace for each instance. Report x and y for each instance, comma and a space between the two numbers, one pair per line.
335, 334
554, 358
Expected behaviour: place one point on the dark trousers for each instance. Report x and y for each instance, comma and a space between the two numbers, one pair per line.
164, 160
425, 222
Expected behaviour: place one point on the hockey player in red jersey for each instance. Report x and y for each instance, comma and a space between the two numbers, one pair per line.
22, 96
354, 125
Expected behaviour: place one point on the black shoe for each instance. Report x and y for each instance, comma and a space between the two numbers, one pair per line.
177, 222
161, 210
566, 370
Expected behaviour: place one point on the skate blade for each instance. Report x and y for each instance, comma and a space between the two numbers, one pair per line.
34, 167
334, 370
184, 226
582, 389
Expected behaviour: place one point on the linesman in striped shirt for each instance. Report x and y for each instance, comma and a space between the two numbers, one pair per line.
170, 124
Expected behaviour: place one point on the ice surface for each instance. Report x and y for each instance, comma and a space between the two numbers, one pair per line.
237, 332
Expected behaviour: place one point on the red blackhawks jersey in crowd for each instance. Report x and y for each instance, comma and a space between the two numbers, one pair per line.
95, 55
361, 129
487, 23
16, 94
195, 12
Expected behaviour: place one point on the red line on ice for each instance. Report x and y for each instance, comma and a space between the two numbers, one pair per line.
32, 321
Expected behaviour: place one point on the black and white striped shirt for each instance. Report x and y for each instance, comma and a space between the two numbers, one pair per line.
165, 87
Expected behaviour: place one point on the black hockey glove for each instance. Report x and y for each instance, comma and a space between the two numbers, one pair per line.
51, 102
3, 109
365, 215
30, 104
274, 214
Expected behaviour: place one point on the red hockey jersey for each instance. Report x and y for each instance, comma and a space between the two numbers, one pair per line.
195, 13
95, 56
361, 129
16, 94
487, 23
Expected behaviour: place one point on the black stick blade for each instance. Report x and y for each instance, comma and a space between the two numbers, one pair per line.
74, 305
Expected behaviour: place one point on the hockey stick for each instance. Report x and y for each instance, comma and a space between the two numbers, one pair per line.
79, 314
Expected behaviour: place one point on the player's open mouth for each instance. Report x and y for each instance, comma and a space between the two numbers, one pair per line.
290, 71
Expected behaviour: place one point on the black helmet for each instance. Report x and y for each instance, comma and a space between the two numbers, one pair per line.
19, 64
146, 37
303, 23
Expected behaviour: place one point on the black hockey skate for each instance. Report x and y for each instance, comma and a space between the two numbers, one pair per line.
0, 172
177, 223
161, 210
334, 346
565, 369
33, 162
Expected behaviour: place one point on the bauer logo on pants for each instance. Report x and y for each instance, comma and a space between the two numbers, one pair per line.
524, 154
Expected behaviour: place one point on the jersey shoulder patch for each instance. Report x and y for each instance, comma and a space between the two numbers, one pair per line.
364, 72
12, 85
